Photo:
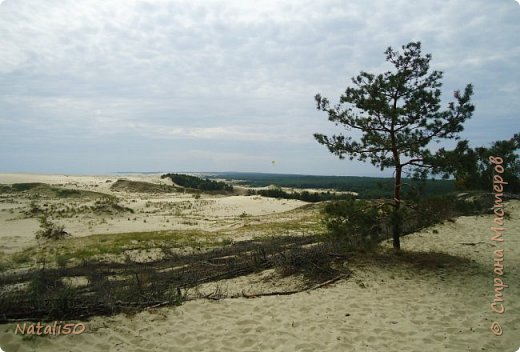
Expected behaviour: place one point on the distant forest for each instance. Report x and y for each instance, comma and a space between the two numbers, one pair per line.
195, 182
366, 187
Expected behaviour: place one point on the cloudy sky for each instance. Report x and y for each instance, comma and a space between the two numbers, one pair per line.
104, 86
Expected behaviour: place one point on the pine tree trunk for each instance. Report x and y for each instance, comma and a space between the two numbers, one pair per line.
396, 219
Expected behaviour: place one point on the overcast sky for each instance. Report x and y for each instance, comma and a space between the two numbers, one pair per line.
102, 86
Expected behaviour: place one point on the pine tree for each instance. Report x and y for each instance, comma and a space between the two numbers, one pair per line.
398, 114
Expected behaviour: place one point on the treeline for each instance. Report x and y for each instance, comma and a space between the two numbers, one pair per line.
365, 187
339, 183
306, 196
194, 182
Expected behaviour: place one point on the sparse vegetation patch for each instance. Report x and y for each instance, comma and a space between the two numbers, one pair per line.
141, 187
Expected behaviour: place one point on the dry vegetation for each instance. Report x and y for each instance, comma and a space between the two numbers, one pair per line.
138, 244
179, 240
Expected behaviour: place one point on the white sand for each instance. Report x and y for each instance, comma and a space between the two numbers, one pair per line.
398, 307
164, 211
381, 308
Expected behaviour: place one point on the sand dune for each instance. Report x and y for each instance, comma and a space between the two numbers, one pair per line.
434, 298
152, 212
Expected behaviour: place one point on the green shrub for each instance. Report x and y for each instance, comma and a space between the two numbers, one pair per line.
21, 258
61, 261
5, 188
109, 205
34, 210
174, 295
356, 224
433, 210
50, 231
20, 187
65, 193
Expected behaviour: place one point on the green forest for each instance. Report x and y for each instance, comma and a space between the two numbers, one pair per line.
366, 187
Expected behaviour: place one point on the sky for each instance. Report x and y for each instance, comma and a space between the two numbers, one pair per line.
94, 87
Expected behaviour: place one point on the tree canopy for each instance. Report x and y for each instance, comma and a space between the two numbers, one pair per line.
398, 113
472, 169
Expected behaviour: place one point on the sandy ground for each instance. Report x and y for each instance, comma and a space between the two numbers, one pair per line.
398, 306
152, 212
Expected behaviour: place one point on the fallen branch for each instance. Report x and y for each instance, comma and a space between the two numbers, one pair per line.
331, 281
276, 293
286, 293
471, 243
157, 305
213, 264
337, 255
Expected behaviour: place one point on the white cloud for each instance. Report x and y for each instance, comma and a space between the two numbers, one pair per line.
231, 71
